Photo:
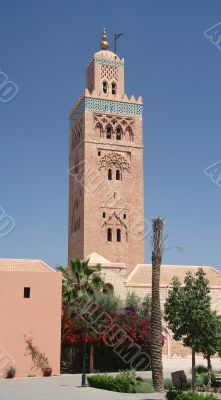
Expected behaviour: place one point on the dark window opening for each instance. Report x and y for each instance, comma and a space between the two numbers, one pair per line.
108, 132
118, 134
105, 87
118, 235
110, 174
27, 292
104, 215
108, 288
109, 235
118, 175
99, 153
125, 216
114, 88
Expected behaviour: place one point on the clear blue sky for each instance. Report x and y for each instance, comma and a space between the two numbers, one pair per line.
45, 47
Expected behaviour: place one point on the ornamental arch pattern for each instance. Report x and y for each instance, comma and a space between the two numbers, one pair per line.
115, 159
122, 128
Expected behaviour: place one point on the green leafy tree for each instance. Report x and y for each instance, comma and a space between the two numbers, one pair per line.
189, 316
142, 307
108, 302
211, 337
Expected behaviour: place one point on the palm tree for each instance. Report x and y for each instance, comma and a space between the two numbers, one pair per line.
156, 319
80, 280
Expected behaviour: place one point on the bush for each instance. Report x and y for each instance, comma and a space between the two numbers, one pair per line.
167, 383
144, 387
189, 383
200, 369
202, 379
123, 382
189, 396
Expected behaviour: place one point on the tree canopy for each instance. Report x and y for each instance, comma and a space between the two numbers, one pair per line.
189, 316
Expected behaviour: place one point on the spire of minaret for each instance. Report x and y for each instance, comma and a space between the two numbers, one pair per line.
104, 42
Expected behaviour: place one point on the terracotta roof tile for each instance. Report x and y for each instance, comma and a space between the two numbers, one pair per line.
26, 265
95, 258
142, 274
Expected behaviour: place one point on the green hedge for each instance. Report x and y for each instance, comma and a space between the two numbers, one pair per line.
189, 396
144, 387
167, 383
124, 382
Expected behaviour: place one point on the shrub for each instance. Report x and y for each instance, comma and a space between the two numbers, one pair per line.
123, 382
189, 383
167, 384
10, 372
144, 387
202, 379
39, 359
189, 396
201, 369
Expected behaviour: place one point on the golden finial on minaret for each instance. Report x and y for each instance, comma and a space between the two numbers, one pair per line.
104, 42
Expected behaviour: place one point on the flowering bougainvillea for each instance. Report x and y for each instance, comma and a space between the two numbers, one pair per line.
107, 329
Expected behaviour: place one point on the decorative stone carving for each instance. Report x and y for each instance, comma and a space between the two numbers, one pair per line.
116, 124
114, 221
115, 159
108, 72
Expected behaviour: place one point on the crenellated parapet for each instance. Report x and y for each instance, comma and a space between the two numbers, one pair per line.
93, 101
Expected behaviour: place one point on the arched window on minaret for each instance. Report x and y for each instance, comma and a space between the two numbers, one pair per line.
109, 132
114, 88
109, 174
109, 235
99, 130
105, 87
118, 235
118, 175
129, 137
118, 133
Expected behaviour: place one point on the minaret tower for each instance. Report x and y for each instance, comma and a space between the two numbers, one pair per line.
106, 200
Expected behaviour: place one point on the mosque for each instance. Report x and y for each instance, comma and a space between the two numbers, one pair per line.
106, 220
106, 187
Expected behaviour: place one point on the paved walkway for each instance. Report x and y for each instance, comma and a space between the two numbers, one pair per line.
67, 387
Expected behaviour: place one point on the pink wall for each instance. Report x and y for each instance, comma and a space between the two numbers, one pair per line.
39, 316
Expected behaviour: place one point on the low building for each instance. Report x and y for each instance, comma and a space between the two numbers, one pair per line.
30, 304
139, 281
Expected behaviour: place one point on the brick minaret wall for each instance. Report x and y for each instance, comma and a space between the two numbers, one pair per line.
106, 200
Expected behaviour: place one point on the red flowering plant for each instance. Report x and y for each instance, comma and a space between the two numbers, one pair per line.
102, 324
127, 326
75, 330
107, 327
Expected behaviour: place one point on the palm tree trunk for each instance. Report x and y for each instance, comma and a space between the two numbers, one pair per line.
156, 319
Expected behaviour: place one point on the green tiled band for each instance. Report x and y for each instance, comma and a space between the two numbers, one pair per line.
116, 107
112, 106
109, 62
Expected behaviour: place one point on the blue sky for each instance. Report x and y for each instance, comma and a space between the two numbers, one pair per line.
45, 47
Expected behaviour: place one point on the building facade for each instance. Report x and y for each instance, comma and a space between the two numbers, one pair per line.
106, 199
30, 305
106, 166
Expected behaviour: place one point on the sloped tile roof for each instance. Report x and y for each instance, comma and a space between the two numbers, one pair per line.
142, 274
95, 258
26, 265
